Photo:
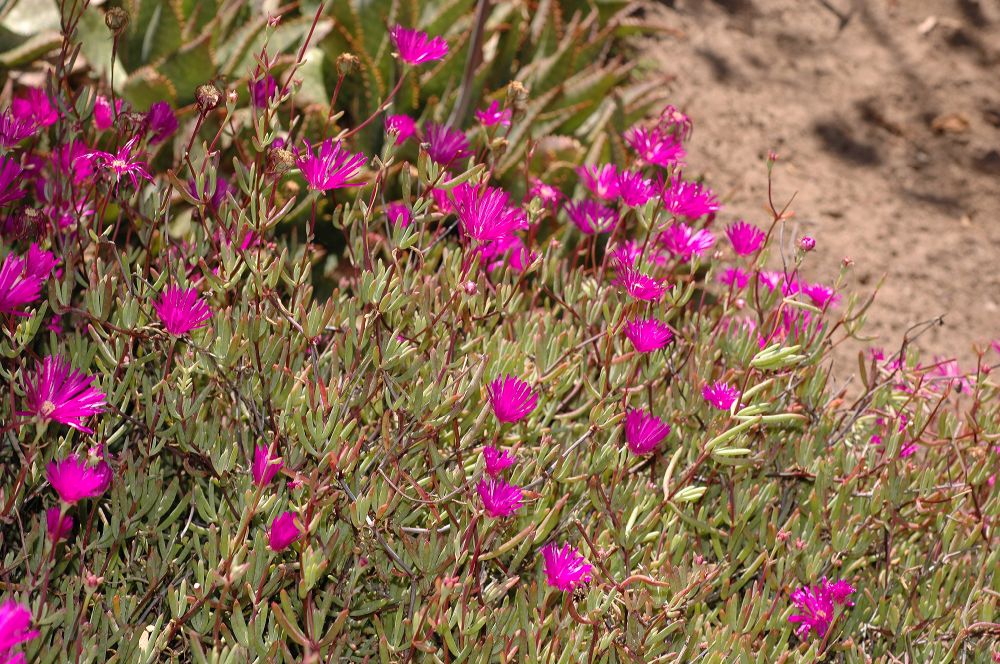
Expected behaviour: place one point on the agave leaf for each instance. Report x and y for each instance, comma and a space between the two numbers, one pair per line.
147, 86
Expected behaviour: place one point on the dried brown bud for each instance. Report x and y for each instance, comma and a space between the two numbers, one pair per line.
116, 19
347, 64
280, 160
232, 97
516, 93
208, 97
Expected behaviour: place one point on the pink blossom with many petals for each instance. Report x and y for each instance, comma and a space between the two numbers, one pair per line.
644, 431
512, 399
74, 480
445, 145
18, 286
35, 107
283, 532
265, 465
403, 125
54, 391
639, 285
508, 250
820, 294
493, 115
499, 498
817, 606
497, 460
103, 115
655, 146
602, 181
415, 48
11, 175
181, 310
122, 163
720, 394
15, 629
332, 167
399, 214
13, 129
591, 217
549, 196
565, 568
484, 214
689, 199
734, 276
634, 189
160, 122
745, 238
648, 335
625, 254
685, 242
675, 122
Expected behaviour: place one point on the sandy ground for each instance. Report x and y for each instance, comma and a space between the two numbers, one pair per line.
888, 132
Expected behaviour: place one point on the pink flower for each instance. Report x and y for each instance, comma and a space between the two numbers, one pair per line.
689, 199
181, 310
11, 175
74, 480
493, 114
648, 335
817, 606
820, 294
643, 431
655, 146
625, 254
509, 250
685, 242
122, 163
639, 285
807, 243
265, 465
161, 122
512, 399
331, 168
284, 531
771, 279
35, 108
499, 498
103, 117
745, 238
445, 145
70, 161
591, 217
601, 180
398, 214
38, 263
497, 460
674, 122
403, 125
55, 392
263, 89
634, 189
415, 48
565, 568
549, 196
13, 129
58, 528
720, 394
15, 621
18, 287
950, 370
734, 276
483, 213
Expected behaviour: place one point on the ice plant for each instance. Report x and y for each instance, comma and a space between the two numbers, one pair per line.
720, 394
74, 480
103, 115
283, 532
734, 276
160, 122
644, 431
625, 254
820, 294
10, 181
745, 238
15, 629
18, 287
648, 335
415, 48
817, 606
181, 310
497, 460
483, 213
509, 250
57, 524
591, 217
499, 498
494, 115
54, 391
634, 189
445, 145
549, 196
265, 465
35, 107
565, 568
689, 199
262, 89
332, 167
399, 214
675, 122
512, 399
13, 129
602, 181
639, 285
403, 125
655, 146
122, 163
38, 263
685, 242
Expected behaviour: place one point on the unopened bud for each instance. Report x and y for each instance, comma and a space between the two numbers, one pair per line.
232, 97
116, 19
208, 97
347, 64
806, 243
470, 288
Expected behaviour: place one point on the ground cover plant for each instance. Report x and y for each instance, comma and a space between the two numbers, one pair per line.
404, 335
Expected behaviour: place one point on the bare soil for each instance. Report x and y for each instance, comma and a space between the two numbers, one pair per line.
886, 120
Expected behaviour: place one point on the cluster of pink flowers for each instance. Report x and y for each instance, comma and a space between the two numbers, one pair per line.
817, 606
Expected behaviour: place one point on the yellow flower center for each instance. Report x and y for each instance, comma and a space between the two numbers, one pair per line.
47, 408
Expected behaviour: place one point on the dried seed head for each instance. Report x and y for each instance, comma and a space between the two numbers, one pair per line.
208, 97
516, 94
347, 64
280, 160
117, 20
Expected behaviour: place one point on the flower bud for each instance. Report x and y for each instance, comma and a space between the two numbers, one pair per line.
208, 97
806, 243
117, 20
347, 64
470, 287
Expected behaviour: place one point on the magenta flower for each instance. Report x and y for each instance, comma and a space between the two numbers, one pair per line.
38, 263
820, 294
734, 276
512, 399
689, 199
445, 145
263, 89
549, 196
643, 431
483, 213
497, 461
331, 168
772, 279
676, 123
122, 163
15, 623
565, 568
103, 116
35, 108
265, 465
213, 199
625, 254
181, 310
161, 122
648, 335
284, 531
499, 498
403, 125
591, 217
70, 161
13, 129
634, 189
807, 243
11, 175
639, 285
493, 115
415, 48
655, 146
74, 480
398, 214
18, 287
720, 394
57, 528
817, 606
601, 180
745, 238
685, 242
53, 391
509, 250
